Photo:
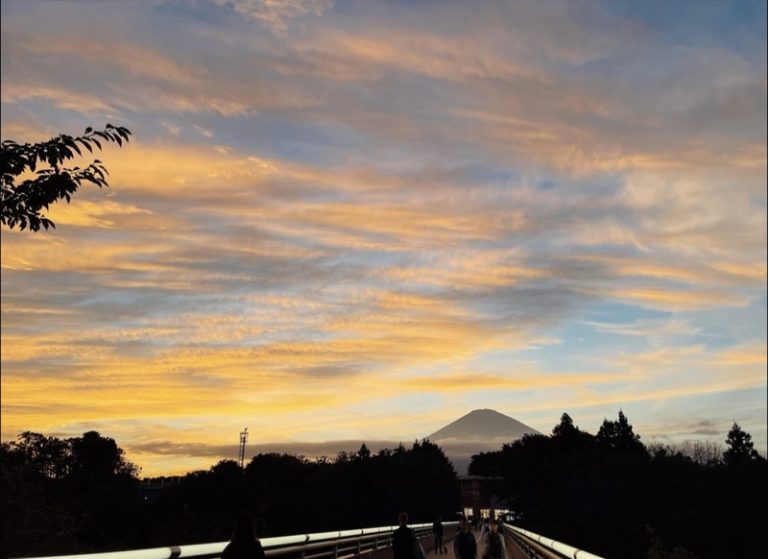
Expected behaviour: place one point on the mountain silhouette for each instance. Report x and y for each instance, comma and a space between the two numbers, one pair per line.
483, 425
479, 431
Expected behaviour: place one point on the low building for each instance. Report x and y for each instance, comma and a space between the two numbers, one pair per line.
481, 497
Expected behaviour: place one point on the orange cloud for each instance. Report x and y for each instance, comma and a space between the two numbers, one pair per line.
58, 97
672, 299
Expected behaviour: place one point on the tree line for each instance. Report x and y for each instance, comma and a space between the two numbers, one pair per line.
610, 494
607, 493
65, 495
80, 495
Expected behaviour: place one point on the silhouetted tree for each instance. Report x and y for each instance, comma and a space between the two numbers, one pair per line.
363, 453
567, 437
34, 518
740, 447
430, 484
343, 456
47, 456
703, 452
619, 436
567, 491
565, 485
103, 493
565, 428
66, 495
97, 458
23, 204
275, 484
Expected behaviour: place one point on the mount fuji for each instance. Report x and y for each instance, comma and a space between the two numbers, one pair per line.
479, 431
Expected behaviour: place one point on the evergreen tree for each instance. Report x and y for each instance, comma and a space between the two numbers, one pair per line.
740, 447
619, 436
567, 437
565, 428
363, 453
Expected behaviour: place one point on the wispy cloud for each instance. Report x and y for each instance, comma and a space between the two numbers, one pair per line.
276, 14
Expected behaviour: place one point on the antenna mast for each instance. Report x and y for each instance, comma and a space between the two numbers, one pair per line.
243, 440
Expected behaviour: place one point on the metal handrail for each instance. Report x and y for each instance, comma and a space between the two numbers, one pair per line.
344, 543
564, 550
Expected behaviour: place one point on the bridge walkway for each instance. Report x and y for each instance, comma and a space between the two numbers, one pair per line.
513, 550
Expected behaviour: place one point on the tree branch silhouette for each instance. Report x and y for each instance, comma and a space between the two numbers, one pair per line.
23, 204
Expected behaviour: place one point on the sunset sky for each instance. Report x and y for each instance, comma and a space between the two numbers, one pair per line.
361, 220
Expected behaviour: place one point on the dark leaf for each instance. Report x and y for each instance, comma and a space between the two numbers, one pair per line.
71, 143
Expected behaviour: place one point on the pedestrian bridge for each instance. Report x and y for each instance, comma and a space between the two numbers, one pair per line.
365, 543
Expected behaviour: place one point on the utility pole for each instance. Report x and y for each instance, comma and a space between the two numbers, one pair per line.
243, 440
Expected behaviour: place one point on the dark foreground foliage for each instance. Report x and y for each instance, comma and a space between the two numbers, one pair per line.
80, 495
64, 495
22, 204
609, 494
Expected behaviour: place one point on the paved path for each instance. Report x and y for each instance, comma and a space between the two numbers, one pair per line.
513, 551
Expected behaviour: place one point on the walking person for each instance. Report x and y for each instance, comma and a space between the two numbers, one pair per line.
494, 542
437, 531
464, 544
404, 542
243, 544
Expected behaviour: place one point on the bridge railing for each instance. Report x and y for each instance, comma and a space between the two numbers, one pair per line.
536, 546
322, 545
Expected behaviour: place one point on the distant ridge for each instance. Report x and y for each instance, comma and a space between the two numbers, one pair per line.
483, 425
479, 431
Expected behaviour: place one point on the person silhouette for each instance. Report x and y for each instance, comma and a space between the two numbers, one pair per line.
464, 544
437, 531
244, 544
494, 542
405, 545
